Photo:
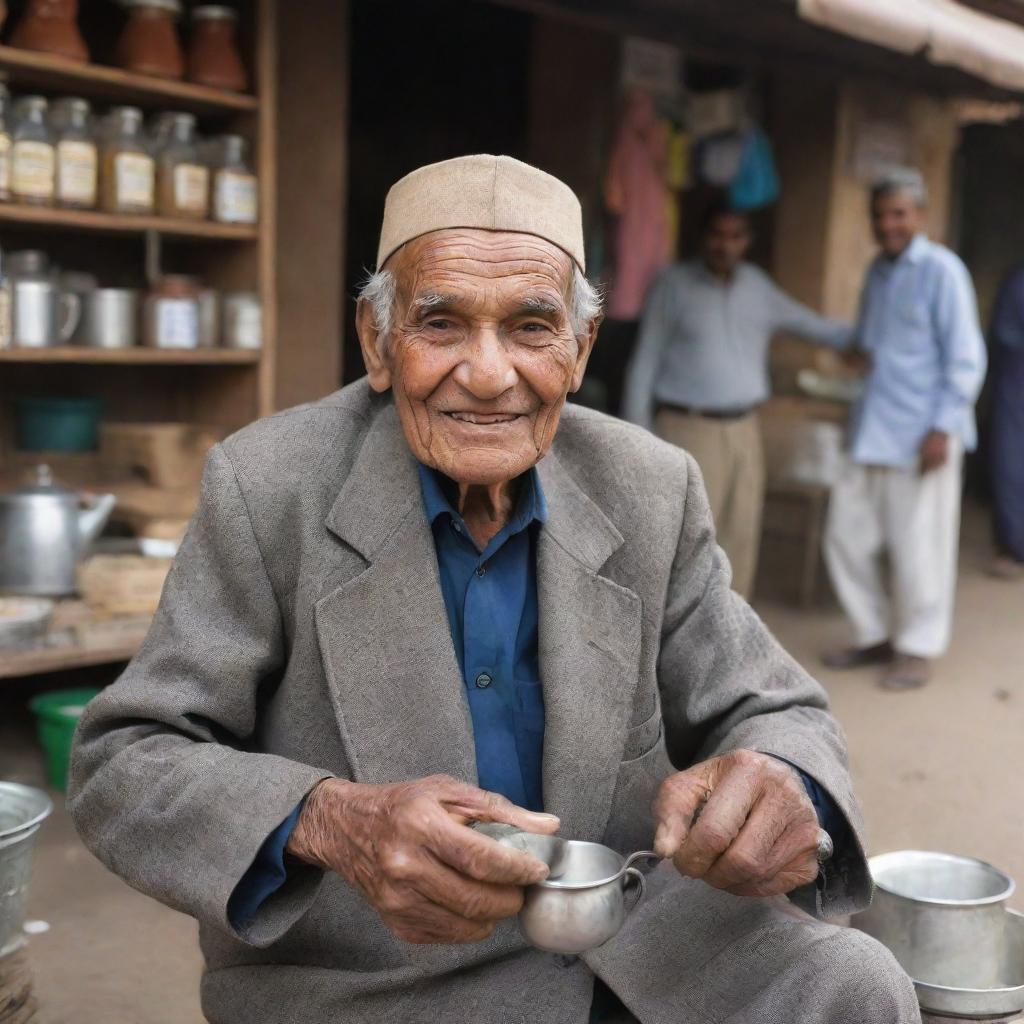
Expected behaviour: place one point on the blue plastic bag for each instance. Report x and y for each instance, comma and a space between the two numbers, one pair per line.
757, 182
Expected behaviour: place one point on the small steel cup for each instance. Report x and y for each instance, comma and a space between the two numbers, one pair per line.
582, 904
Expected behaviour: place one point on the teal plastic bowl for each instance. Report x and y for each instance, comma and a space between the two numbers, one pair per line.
58, 424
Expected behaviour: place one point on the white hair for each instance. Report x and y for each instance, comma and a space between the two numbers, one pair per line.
380, 291
903, 181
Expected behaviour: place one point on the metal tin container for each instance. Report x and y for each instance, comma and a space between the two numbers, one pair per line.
110, 318
944, 917
22, 810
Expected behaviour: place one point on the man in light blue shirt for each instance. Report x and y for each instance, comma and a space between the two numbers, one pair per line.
900, 492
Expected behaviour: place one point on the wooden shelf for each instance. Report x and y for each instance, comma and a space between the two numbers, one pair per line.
33, 662
138, 356
50, 218
57, 74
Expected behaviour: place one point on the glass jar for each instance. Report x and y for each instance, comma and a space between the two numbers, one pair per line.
51, 26
213, 57
5, 144
235, 192
243, 320
149, 42
33, 161
183, 179
77, 162
170, 313
128, 177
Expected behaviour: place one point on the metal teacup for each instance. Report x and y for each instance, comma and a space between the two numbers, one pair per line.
582, 903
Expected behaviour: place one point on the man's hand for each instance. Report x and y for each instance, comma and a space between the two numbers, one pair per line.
406, 848
742, 822
934, 450
857, 360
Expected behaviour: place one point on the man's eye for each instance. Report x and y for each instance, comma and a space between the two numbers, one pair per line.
534, 328
439, 324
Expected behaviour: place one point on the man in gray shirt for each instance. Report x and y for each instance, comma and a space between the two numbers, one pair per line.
700, 370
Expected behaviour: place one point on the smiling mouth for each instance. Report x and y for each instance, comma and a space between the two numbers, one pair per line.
483, 419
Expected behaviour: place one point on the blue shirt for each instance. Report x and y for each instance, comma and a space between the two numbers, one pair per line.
919, 322
491, 600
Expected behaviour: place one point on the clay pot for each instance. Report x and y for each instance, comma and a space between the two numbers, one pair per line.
50, 26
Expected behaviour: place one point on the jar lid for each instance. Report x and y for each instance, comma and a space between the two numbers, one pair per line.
214, 12
171, 6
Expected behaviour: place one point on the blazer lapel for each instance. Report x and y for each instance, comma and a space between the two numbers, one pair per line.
590, 631
384, 637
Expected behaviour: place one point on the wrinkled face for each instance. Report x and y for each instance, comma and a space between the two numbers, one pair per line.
482, 354
726, 242
895, 218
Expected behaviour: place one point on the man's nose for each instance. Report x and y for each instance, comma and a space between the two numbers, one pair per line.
488, 370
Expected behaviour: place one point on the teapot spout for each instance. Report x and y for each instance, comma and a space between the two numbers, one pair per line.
93, 518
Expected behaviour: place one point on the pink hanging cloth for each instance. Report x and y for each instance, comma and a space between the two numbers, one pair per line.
637, 190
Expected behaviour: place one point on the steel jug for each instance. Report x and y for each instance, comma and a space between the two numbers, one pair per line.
41, 314
44, 530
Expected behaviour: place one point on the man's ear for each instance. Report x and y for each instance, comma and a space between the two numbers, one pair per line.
378, 369
586, 346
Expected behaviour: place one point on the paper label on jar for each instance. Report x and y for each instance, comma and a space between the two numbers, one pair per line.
235, 199
5, 164
244, 325
133, 173
5, 317
177, 323
76, 172
191, 188
32, 169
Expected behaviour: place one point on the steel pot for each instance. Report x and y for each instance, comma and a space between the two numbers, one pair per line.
944, 917
44, 530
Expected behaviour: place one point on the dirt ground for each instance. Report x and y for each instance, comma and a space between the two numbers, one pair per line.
936, 769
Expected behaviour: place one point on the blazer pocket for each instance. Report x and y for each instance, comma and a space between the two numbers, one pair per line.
642, 738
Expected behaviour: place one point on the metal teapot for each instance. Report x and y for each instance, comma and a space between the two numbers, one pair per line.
44, 530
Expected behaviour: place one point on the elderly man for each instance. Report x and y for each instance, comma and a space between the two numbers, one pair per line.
414, 605
700, 371
901, 490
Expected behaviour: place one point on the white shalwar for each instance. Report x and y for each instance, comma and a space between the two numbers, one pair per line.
914, 519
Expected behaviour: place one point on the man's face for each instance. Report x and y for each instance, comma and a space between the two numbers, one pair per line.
726, 242
895, 218
482, 354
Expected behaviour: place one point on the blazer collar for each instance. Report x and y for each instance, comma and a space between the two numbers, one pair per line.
384, 482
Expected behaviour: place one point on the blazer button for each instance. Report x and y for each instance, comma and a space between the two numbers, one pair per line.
483, 681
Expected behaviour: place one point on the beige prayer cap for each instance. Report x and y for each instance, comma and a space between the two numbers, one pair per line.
496, 193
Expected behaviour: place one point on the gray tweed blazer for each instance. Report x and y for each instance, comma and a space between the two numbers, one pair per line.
302, 633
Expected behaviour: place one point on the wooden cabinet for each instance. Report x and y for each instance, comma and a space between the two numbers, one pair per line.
223, 387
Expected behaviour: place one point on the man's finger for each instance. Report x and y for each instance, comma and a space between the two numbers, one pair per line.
426, 922
758, 849
676, 805
801, 870
472, 803
720, 822
475, 901
477, 856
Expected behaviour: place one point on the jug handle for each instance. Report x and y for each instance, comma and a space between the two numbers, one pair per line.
632, 874
72, 314
641, 855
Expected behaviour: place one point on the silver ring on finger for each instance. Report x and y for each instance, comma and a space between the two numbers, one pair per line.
825, 848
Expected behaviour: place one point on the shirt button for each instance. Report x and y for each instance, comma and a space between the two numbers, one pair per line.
457, 527
481, 569
483, 681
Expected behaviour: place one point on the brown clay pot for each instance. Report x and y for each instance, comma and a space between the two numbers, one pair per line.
50, 26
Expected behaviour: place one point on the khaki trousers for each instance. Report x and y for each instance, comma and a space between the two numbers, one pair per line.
731, 458
914, 519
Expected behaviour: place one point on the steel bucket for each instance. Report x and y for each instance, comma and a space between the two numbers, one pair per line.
943, 917
22, 811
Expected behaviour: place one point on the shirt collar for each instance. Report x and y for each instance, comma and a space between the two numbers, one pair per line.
530, 505
916, 251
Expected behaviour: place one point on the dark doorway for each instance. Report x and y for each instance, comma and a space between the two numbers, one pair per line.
429, 82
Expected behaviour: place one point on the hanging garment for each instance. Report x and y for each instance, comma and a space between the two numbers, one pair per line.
637, 190
757, 181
